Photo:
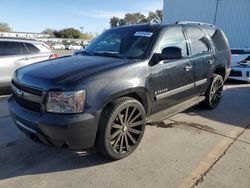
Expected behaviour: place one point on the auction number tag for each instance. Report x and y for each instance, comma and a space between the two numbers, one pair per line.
143, 34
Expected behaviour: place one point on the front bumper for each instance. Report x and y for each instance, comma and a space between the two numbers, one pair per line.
240, 74
76, 131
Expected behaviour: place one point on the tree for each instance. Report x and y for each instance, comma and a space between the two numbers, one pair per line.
137, 18
48, 31
134, 18
72, 33
155, 17
130, 19
87, 36
114, 21
140, 18
4, 27
68, 33
122, 22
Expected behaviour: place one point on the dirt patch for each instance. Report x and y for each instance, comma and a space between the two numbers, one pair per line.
195, 125
161, 124
11, 144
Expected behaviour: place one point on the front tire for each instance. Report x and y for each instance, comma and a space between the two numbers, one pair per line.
121, 128
214, 92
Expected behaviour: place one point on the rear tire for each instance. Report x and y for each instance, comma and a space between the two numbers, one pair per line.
214, 92
121, 128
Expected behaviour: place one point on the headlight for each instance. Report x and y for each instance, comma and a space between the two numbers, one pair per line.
66, 102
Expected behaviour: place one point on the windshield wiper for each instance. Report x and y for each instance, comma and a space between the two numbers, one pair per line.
84, 53
109, 54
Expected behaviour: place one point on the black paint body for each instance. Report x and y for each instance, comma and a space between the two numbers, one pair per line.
106, 78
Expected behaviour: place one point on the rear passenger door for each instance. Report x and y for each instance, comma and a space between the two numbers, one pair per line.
202, 57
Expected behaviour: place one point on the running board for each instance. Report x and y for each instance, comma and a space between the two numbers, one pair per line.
164, 114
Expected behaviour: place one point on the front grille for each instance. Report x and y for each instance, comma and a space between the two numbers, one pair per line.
28, 89
27, 97
236, 73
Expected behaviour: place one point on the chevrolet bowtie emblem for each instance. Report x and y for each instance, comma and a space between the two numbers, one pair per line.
19, 92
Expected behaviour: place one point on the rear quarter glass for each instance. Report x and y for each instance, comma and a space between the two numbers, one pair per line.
219, 39
43, 48
32, 49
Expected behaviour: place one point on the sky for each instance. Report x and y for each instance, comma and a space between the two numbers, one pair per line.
93, 15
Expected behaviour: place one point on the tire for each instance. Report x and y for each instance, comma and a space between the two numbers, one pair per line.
214, 92
121, 128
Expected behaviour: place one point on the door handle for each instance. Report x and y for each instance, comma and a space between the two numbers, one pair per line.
210, 62
188, 67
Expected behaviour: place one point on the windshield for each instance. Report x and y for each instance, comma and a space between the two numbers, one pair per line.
122, 43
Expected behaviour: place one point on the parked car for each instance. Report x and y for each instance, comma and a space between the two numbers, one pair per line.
241, 65
126, 77
85, 43
58, 46
73, 47
48, 45
15, 53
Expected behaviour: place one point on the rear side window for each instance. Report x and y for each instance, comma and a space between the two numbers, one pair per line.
32, 49
198, 40
12, 48
174, 37
218, 38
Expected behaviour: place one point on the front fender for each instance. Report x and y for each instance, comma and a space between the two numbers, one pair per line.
117, 88
140, 92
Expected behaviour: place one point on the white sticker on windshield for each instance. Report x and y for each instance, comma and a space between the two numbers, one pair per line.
143, 34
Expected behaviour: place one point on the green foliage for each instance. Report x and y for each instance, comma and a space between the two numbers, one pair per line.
137, 18
122, 22
68, 33
49, 31
72, 34
4, 27
87, 36
114, 22
155, 17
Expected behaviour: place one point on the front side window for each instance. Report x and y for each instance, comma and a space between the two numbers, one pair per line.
198, 40
12, 48
122, 42
173, 37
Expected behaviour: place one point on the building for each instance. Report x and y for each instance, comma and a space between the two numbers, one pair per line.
230, 15
27, 35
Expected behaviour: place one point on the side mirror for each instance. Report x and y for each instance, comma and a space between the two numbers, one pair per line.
171, 53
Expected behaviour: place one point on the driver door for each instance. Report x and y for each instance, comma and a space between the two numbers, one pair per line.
172, 81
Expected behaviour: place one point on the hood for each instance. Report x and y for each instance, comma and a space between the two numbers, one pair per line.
58, 73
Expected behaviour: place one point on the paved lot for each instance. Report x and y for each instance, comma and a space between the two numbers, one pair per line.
197, 148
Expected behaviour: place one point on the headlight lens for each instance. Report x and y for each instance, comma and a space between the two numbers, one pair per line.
66, 102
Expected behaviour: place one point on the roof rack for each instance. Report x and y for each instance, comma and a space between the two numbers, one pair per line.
195, 23
18, 38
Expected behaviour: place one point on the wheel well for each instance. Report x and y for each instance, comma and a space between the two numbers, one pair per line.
220, 71
139, 96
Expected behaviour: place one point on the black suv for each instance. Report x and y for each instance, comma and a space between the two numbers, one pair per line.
126, 77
